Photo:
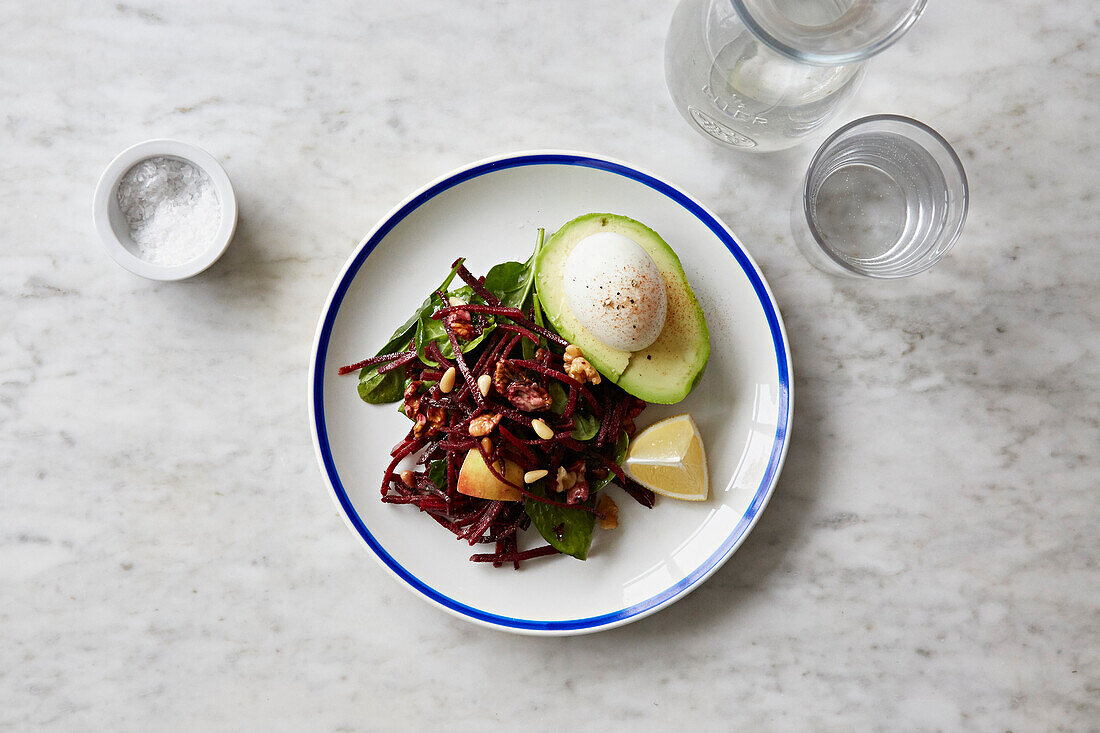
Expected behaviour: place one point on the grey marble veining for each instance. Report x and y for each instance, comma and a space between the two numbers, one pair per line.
169, 559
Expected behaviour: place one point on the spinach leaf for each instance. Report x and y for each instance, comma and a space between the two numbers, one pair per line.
429, 329
511, 282
620, 456
427, 306
534, 305
507, 277
558, 398
472, 343
576, 525
529, 347
378, 388
437, 473
585, 426
528, 286
465, 294
537, 305
621, 446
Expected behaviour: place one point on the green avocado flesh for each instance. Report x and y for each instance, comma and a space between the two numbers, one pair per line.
667, 370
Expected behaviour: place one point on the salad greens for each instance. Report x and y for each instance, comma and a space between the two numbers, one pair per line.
621, 446
429, 329
511, 282
585, 424
377, 388
558, 397
437, 472
567, 528
570, 530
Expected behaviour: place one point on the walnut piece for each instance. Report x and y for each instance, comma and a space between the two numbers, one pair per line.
427, 422
578, 367
571, 479
461, 324
430, 423
503, 377
610, 511
528, 397
437, 416
565, 480
484, 424
412, 399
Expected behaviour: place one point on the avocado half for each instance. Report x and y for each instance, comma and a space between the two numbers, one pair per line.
667, 370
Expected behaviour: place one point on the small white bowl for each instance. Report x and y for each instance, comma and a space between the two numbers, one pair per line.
115, 233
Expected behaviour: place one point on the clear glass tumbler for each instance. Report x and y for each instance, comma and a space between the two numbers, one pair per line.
884, 197
761, 75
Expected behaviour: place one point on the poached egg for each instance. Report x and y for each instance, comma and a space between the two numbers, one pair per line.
615, 290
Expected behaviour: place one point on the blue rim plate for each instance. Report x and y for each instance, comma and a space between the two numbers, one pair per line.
743, 404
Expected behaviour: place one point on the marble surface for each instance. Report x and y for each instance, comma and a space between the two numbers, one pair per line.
169, 558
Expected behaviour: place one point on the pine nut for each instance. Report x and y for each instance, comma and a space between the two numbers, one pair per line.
447, 381
544, 431
484, 382
532, 476
487, 445
408, 479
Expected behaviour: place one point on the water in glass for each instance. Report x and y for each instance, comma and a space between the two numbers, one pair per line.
885, 196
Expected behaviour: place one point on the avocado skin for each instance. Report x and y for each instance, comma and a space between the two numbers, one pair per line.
676, 360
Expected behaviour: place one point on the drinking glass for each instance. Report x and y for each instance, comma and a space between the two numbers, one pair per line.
761, 75
884, 197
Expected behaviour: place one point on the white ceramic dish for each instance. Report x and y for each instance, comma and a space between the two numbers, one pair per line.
489, 212
111, 224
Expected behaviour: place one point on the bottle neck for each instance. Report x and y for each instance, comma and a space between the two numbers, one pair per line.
828, 32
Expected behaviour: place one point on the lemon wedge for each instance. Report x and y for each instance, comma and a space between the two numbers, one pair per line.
668, 459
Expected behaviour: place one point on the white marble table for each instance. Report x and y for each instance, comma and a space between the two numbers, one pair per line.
169, 559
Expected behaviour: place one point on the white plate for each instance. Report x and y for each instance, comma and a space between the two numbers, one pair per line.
488, 212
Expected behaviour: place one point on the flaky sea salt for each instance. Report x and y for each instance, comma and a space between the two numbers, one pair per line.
171, 208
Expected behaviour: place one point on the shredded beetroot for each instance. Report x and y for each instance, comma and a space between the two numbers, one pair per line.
442, 424
609, 429
460, 360
370, 362
501, 310
526, 452
493, 310
400, 361
615, 468
476, 284
641, 494
560, 376
490, 514
525, 333
406, 450
436, 355
516, 556
571, 403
